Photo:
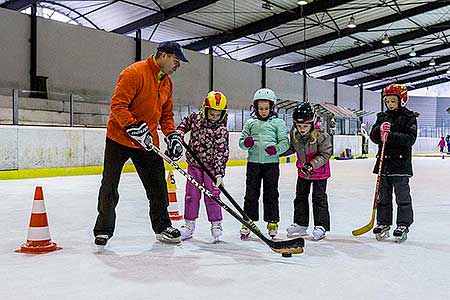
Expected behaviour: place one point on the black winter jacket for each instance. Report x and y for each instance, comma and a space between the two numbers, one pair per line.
397, 154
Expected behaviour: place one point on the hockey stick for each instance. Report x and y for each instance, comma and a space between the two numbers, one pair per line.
292, 246
221, 187
369, 226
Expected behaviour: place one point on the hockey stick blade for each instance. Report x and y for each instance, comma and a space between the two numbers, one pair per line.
290, 246
367, 227
293, 246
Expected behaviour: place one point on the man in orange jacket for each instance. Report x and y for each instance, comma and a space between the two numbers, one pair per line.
142, 101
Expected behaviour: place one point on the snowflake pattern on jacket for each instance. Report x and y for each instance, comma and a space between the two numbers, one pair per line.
209, 141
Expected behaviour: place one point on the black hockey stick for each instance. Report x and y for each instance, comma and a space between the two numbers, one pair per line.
292, 246
221, 187
369, 226
223, 190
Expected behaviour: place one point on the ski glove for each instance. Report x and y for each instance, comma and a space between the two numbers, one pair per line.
219, 181
249, 142
271, 150
385, 128
174, 145
307, 169
139, 132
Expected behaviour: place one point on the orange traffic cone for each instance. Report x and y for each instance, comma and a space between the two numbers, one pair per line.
38, 239
172, 193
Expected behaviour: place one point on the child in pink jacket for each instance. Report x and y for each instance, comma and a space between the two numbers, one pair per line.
209, 140
313, 148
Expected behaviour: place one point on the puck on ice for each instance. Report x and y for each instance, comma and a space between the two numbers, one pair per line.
286, 254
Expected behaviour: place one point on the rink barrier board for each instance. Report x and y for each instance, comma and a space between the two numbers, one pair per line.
96, 170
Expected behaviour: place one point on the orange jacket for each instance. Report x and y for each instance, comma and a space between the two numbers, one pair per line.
140, 95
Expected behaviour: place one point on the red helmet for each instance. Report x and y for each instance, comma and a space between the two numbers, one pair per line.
398, 90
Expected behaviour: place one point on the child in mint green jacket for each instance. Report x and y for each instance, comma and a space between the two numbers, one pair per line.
265, 137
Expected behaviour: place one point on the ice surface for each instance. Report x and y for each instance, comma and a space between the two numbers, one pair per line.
136, 266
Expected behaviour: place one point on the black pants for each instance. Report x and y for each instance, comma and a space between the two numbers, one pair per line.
400, 185
150, 168
319, 203
269, 174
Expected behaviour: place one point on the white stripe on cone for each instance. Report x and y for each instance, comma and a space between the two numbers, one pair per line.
38, 233
38, 207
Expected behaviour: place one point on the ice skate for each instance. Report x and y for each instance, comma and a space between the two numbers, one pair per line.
169, 235
381, 232
295, 230
318, 233
216, 230
187, 230
272, 229
401, 234
245, 232
100, 241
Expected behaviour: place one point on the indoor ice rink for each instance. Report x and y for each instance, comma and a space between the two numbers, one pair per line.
136, 266
65, 83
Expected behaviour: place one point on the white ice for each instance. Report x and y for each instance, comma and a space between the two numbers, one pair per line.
136, 266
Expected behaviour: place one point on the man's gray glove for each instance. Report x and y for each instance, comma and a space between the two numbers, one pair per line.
139, 132
174, 145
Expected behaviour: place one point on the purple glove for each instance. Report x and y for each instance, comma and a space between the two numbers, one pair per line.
249, 142
271, 150
385, 128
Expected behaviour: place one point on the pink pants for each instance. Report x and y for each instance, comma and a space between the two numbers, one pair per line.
193, 195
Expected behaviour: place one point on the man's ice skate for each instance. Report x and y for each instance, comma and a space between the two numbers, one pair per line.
245, 232
272, 229
318, 233
295, 230
169, 235
216, 230
100, 241
187, 230
381, 232
401, 234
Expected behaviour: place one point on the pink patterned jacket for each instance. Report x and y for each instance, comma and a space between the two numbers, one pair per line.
208, 140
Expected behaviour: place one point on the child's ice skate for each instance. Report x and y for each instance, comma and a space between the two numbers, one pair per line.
100, 241
381, 232
216, 230
272, 229
401, 234
318, 233
187, 230
295, 230
245, 232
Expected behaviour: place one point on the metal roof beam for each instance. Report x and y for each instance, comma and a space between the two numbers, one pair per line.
18, 4
171, 12
408, 80
375, 45
399, 71
265, 24
347, 31
429, 83
384, 62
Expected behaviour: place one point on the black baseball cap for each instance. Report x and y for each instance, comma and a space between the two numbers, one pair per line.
172, 48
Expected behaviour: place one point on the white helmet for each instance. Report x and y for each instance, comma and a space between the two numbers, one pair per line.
265, 94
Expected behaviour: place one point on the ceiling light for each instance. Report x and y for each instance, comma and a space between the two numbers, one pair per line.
267, 5
385, 39
351, 23
432, 62
448, 71
413, 52
302, 2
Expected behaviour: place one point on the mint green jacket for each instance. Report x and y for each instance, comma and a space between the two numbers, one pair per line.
272, 132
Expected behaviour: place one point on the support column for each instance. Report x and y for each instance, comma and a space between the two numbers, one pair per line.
263, 73
211, 69
33, 48
336, 89
361, 99
138, 40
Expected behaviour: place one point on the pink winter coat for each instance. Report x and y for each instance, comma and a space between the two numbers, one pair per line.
441, 143
317, 154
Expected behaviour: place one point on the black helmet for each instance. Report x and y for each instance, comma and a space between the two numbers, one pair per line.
304, 114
